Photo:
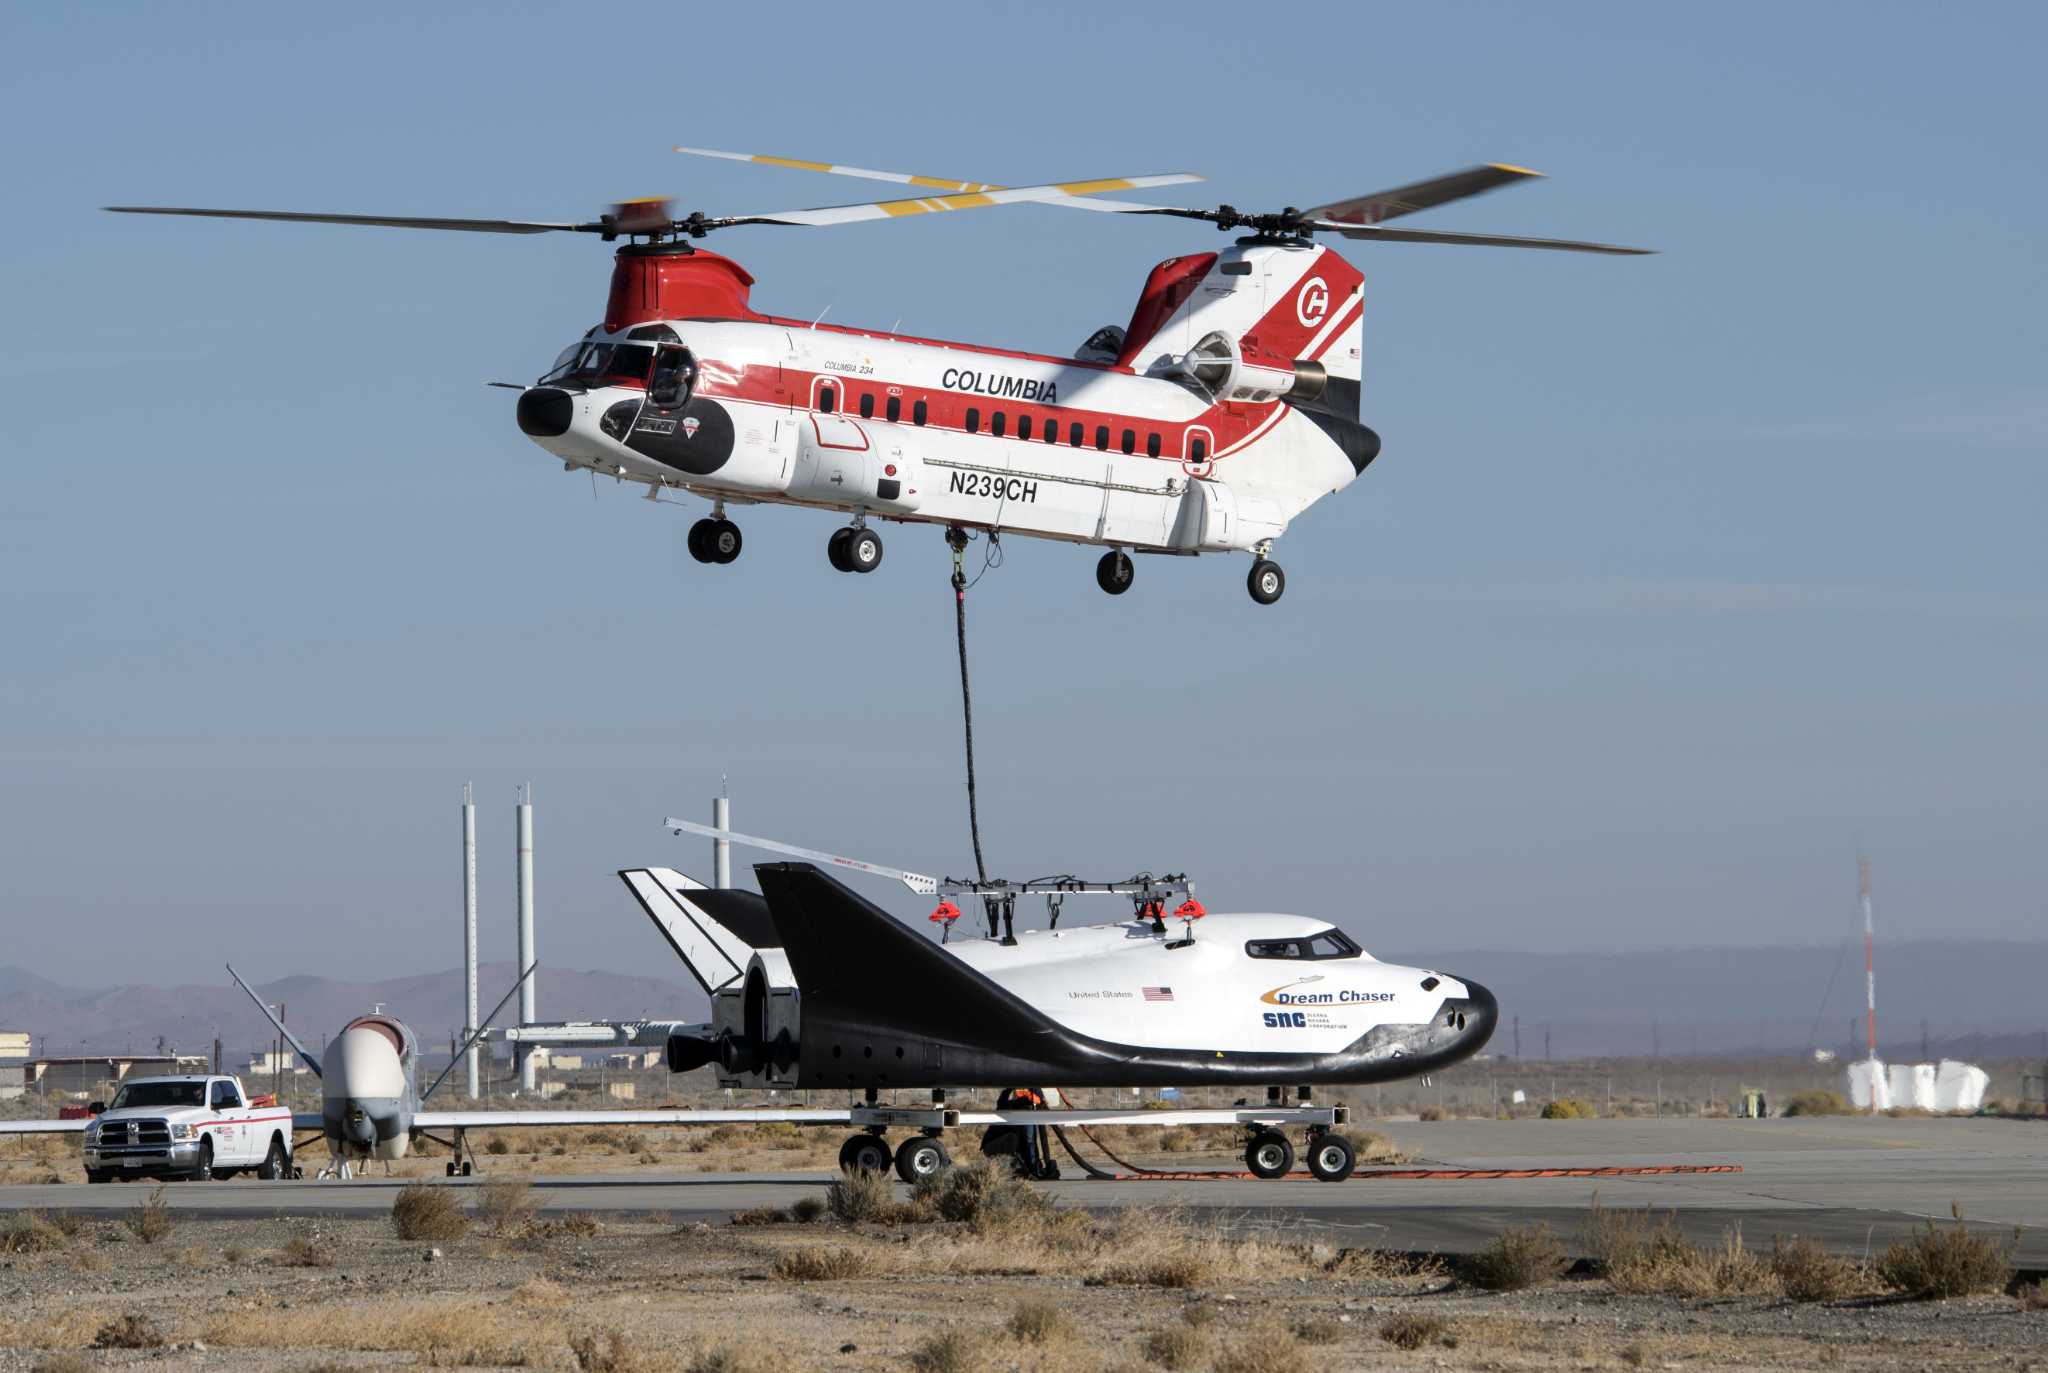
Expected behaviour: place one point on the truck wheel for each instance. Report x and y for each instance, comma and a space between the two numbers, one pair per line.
1331, 1158
97, 1175
204, 1172
275, 1164
919, 1157
1269, 1155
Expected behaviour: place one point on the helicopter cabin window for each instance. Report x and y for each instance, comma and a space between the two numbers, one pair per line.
894, 410
675, 376
1074, 434
602, 364
997, 423
1328, 944
1198, 448
1024, 427
1102, 437
828, 400
867, 405
1130, 441
917, 413
1151, 445
1052, 430
973, 420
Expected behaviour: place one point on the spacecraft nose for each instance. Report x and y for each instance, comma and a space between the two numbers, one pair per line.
1482, 1013
545, 412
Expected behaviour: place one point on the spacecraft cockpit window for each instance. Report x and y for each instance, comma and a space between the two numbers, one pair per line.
1328, 944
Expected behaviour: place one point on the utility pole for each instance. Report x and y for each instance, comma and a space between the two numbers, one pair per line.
1518, 1039
469, 1011
527, 1012
1546, 1044
1869, 975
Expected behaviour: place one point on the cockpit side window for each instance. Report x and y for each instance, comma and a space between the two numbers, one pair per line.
675, 376
598, 364
1328, 944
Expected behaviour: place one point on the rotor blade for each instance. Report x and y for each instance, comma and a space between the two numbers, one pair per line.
937, 183
475, 226
916, 881
1421, 195
480, 1029
305, 1056
961, 200
1568, 245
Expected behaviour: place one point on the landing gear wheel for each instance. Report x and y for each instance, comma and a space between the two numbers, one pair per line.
1113, 574
451, 1170
1269, 1155
835, 550
723, 542
1331, 1157
204, 1172
862, 550
864, 1154
467, 1168
919, 1157
699, 540
1267, 581
275, 1165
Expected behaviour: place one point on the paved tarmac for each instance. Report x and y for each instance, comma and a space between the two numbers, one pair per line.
1850, 1182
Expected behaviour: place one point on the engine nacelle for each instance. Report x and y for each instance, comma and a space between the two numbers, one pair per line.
757, 1026
1219, 366
856, 464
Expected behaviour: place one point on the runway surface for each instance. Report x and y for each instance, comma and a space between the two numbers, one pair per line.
1849, 1182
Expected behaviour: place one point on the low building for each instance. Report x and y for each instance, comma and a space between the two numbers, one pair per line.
270, 1063
14, 1044
98, 1075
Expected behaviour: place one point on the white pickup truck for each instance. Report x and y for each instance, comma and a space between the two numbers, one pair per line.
193, 1126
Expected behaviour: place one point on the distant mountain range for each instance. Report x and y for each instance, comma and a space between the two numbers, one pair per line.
1978, 999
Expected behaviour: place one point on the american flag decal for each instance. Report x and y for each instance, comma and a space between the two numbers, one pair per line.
1159, 993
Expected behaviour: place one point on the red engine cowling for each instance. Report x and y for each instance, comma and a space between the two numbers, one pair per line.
669, 281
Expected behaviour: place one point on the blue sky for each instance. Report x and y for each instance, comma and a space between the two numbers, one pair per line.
1679, 577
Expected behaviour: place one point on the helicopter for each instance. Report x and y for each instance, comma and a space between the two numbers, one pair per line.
1226, 406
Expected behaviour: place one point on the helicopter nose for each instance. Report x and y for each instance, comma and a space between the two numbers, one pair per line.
545, 412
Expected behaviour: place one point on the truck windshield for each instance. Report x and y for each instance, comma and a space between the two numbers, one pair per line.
160, 1094
603, 364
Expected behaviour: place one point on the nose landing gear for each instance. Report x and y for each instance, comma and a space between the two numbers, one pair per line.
1266, 582
715, 540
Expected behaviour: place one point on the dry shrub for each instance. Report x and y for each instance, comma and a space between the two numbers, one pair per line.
2034, 1297
497, 1144
1318, 1330
1180, 1346
507, 1205
953, 1351
28, 1232
1038, 1321
541, 1292
62, 1363
233, 1253
1373, 1147
432, 1214
804, 1210
1431, 1112
449, 1337
69, 1224
611, 1352
984, 1194
1946, 1263
1644, 1257
824, 1263
1815, 1103
300, 1252
759, 1215
1808, 1272
1567, 1108
579, 1225
89, 1260
1264, 1347
859, 1196
152, 1220
132, 1331
737, 1358
1412, 1330
1520, 1256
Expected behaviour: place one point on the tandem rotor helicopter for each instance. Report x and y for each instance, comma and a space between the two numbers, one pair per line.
1225, 407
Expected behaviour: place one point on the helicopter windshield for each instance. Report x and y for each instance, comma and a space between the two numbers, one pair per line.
602, 364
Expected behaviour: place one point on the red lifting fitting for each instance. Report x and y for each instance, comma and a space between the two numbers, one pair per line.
1191, 909
947, 912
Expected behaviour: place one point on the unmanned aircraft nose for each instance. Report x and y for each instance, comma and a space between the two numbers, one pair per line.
545, 412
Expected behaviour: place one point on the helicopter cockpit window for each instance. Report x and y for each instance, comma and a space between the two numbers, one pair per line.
675, 376
1328, 944
603, 364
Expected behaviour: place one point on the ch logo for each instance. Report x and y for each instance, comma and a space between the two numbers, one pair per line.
1313, 303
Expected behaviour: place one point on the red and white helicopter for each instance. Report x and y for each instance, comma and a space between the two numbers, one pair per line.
1227, 406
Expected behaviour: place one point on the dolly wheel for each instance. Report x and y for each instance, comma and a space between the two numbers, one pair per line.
1266, 582
1114, 573
1269, 1155
864, 1154
1331, 1157
919, 1157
